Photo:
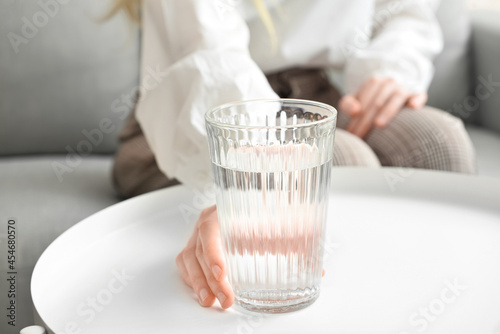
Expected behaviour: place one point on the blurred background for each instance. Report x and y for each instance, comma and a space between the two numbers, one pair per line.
484, 4
68, 80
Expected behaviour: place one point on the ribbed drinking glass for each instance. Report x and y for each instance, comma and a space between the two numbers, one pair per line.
271, 163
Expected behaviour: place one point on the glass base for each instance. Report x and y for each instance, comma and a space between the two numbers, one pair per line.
295, 300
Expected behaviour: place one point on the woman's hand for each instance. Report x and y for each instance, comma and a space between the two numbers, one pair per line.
376, 103
202, 265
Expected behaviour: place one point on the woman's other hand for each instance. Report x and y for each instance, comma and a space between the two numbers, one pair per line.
376, 103
202, 265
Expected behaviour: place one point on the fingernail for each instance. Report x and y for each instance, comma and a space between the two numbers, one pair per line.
203, 295
221, 297
217, 271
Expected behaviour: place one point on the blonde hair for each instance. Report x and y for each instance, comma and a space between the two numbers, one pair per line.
268, 22
132, 7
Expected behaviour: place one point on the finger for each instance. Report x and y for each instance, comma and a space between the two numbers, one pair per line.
182, 268
386, 88
323, 273
365, 96
390, 110
365, 123
221, 289
368, 91
350, 105
353, 123
209, 236
197, 278
417, 101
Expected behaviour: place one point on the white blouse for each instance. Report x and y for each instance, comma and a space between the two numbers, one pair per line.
197, 54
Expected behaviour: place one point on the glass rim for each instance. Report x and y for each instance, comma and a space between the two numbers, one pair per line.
322, 105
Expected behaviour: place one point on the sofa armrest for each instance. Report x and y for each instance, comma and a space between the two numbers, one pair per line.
485, 41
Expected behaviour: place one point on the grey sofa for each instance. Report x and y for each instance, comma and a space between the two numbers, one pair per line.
67, 81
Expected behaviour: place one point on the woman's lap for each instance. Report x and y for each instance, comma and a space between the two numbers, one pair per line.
426, 138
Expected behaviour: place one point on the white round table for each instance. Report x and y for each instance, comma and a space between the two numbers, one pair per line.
407, 252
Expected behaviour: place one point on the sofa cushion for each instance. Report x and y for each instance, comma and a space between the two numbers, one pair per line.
487, 144
44, 206
486, 48
451, 79
63, 73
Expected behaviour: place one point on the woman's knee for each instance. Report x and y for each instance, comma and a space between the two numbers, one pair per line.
426, 138
352, 151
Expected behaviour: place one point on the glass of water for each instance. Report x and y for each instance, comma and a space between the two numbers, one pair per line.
271, 163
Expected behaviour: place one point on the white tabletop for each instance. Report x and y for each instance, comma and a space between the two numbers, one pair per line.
407, 252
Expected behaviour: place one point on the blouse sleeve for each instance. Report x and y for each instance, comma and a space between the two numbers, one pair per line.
195, 57
404, 39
